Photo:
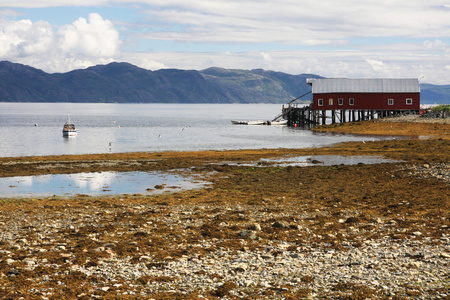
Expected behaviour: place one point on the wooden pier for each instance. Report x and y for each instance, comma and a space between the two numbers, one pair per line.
299, 115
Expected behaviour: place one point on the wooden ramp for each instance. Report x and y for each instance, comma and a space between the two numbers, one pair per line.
286, 111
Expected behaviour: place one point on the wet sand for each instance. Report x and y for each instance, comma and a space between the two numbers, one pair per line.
360, 231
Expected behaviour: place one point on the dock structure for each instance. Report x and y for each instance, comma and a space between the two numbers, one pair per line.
342, 100
299, 115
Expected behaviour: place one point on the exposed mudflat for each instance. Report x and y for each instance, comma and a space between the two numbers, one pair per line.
378, 231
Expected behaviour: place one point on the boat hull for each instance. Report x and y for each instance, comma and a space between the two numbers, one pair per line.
239, 122
255, 122
67, 133
279, 123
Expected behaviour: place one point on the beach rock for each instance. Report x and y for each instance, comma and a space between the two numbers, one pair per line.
413, 265
61, 247
13, 272
29, 261
248, 234
240, 267
280, 224
255, 227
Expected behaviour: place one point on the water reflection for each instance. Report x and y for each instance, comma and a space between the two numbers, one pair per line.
326, 160
100, 183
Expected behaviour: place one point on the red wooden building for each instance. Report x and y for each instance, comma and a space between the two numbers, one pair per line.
365, 94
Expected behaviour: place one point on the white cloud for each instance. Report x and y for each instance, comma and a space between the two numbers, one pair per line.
284, 21
266, 57
142, 60
296, 22
375, 64
50, 3
5, 12
81, 44
94, 37
436, 44
23, 38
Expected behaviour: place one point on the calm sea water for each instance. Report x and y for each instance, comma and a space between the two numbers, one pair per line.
28, 129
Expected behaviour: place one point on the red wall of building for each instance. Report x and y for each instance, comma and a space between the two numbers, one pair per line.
372, 101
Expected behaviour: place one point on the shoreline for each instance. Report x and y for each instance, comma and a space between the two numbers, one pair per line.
409, 125
376, 231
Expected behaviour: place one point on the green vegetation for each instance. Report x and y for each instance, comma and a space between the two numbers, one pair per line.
442, 107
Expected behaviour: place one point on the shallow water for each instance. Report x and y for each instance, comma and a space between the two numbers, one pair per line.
327, 160
96, 184
146, 183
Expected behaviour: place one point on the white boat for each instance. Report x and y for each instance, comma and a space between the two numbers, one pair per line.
240, 122
280, 122
255, 122
69, 128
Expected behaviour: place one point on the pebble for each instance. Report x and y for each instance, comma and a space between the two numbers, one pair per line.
256, 227
440, 171
13, 273
367, 267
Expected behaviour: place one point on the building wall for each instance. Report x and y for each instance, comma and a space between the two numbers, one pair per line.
372, 101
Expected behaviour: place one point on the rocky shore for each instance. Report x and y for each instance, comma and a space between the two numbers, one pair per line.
257, 267
432, 118
439, 171
360, 231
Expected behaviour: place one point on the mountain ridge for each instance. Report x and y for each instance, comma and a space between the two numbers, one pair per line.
121, 82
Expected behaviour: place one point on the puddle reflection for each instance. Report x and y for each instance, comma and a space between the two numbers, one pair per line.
326, 160
100, 183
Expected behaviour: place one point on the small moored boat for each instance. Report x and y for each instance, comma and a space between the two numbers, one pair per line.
239, 122
279, 122
69, 128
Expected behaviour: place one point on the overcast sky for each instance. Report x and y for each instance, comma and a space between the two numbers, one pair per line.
331, 38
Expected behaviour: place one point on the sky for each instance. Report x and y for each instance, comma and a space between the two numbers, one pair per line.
331, 38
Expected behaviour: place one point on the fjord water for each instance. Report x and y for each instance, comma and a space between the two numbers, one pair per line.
28, 129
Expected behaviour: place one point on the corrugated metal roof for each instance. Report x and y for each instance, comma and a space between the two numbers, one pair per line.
360, 85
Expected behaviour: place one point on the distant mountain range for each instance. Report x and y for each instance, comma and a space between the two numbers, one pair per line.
126, 83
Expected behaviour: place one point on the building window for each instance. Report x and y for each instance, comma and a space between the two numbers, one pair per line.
320, 102
351, 101
409, 101
341, 101
330, 101
390, 101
